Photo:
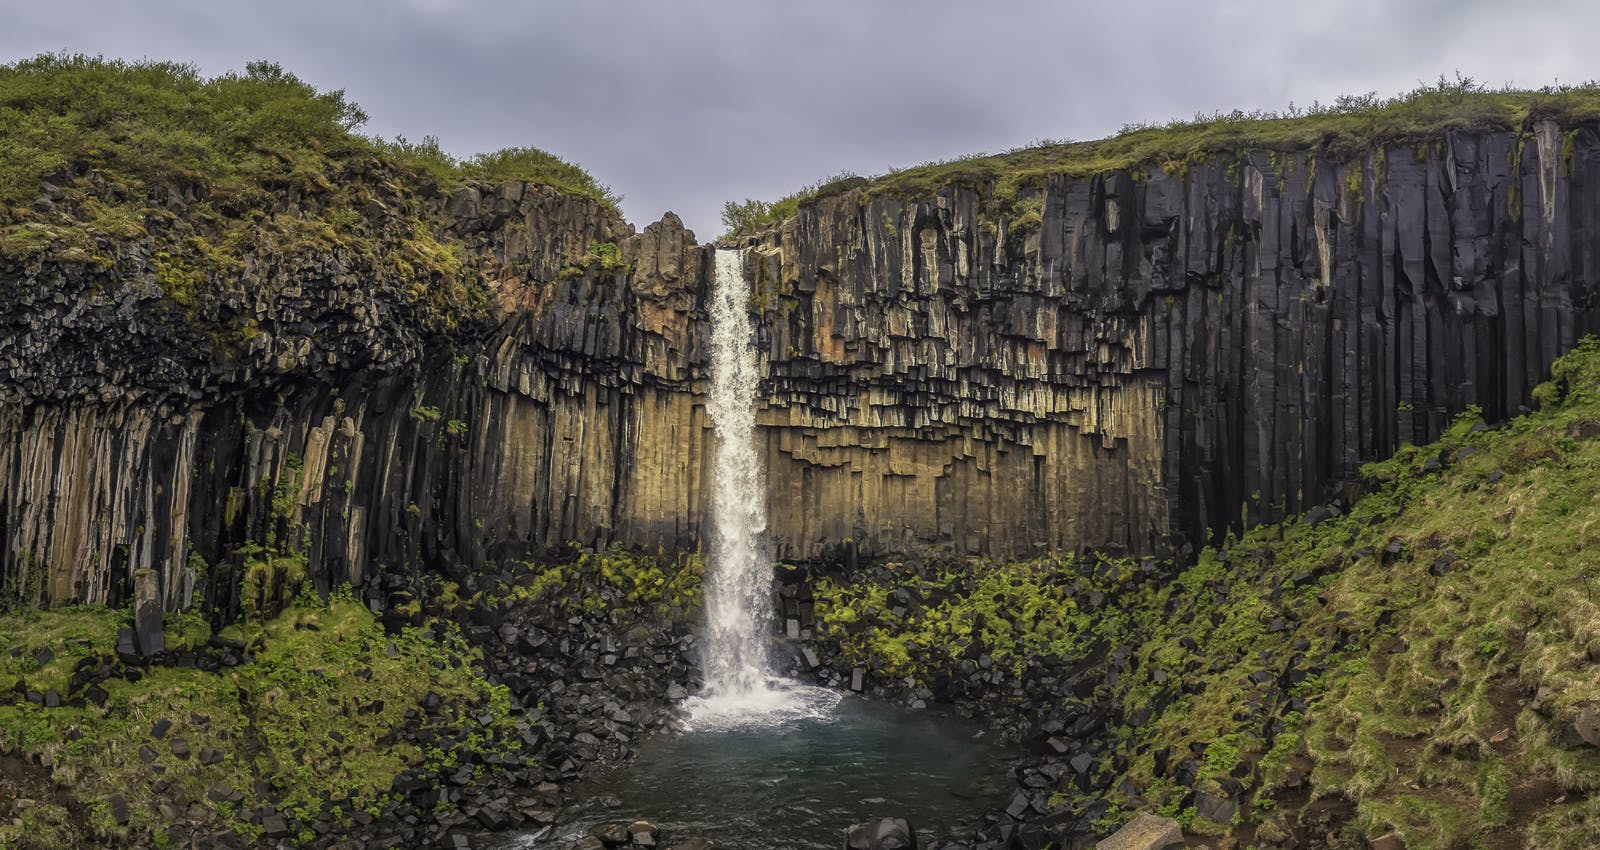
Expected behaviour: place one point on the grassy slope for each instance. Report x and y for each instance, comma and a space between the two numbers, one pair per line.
145, 167
274, 720
1347, 128
1438, 706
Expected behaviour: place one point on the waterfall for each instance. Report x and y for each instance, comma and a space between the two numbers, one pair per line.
739, 576
740, 687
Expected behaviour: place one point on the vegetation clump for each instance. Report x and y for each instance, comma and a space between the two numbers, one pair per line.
202, 184
140, 125
901, 622
318, 722
616, 582
751, 213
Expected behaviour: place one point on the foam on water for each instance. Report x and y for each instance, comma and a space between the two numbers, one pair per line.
776, 702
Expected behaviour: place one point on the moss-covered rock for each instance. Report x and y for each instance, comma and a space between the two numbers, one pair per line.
314, 715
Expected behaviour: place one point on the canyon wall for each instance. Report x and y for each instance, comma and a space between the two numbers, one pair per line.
1151, 355
1135, 359
338, 439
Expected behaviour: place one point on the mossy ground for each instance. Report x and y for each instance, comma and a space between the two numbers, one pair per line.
1422, 657
315, 718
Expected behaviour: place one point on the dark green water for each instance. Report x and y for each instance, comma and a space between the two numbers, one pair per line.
799, 783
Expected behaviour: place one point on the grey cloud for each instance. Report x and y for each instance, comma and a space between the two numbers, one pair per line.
684, 105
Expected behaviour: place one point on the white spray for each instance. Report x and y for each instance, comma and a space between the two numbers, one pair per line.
740, 687
739, 579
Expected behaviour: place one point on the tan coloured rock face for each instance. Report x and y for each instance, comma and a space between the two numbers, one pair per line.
1230, 345
1145, 832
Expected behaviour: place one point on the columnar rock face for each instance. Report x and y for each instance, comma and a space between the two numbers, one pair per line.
1143, 358
1162, 354
569, 416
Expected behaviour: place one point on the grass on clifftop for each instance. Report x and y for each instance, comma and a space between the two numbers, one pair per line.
1423, 663
308, 718
141, 124
1345, 128
148, 170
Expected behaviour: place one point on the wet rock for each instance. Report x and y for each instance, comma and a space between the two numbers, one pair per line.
1145, 832
611, 834
642, 833
884, 834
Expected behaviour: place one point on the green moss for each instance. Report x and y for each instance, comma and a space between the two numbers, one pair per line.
605, 256
628, 584
41, 826
923, 623
322, 691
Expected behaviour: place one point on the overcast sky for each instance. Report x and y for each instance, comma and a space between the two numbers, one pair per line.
682, 105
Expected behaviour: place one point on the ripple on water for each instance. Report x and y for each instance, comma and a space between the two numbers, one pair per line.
793, 767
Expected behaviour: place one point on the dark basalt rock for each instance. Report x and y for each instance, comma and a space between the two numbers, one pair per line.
149, 634
1214, 808
1169, 349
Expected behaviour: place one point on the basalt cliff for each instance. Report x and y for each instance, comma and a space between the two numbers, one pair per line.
1142, 358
